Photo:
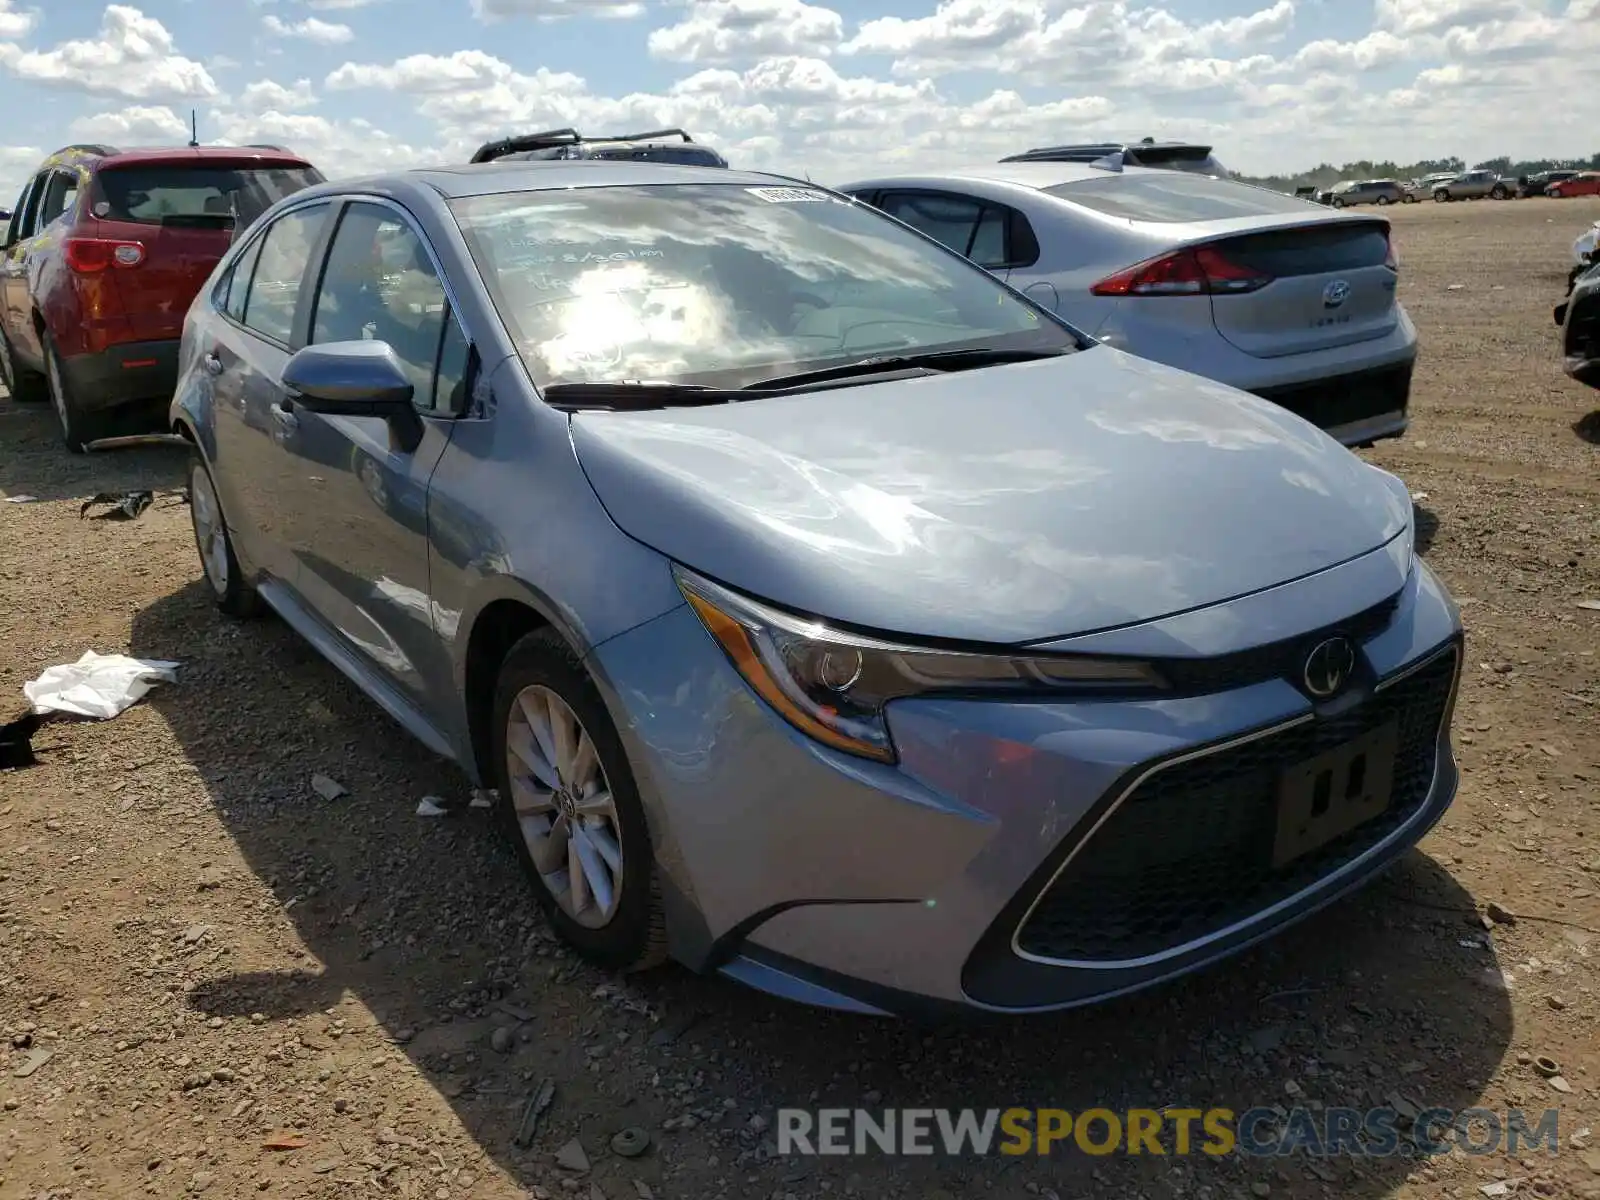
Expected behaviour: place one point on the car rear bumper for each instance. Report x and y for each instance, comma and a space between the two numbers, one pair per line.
956, 880
125, 373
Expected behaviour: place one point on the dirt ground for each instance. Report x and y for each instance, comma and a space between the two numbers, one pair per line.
199, 956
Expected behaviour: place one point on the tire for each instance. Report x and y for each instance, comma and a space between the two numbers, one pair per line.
1336, 202
77, 427
631, 936
1409, 198
1497, 193
233, 595
1442, 196
25, 386
1384, 201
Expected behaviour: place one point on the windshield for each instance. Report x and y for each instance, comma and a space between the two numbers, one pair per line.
726, 285
1174, 197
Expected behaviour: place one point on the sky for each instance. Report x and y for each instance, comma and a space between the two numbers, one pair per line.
819, 89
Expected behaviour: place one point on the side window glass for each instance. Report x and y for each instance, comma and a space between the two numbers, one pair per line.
59, 195
280, 270
379, 283
948, 219
237, 290
29, 223
989, 240
14, 225
455, 358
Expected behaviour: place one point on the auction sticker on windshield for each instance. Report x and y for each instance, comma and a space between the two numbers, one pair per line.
783, 195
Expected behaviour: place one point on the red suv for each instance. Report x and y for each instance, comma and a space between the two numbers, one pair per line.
105, 251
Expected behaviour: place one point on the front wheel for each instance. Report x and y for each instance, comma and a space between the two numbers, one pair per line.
1410, 199
569, 804
25, 386
1383, 201
1336, 202
1498, 193
1442, 197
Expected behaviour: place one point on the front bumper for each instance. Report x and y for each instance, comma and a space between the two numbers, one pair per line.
958, 878
124, 373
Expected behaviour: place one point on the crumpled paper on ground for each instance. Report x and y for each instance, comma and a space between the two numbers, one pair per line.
97, 685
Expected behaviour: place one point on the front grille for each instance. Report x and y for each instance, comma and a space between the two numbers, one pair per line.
1327, 403
1275, 660
1189, 852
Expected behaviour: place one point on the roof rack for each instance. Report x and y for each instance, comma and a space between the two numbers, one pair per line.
490, 151
89, 148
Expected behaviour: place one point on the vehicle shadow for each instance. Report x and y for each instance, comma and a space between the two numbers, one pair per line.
428, 923
1426, 522
37, 464
1588, 427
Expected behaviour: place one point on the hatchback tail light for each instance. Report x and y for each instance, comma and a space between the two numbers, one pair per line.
1192, 271
88, 256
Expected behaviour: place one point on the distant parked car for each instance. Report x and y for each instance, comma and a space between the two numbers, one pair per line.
1472, 185
657, 145
1537, 183
105, 255
1146, 152
1585, 183
1422, 189
1238, 283
1366, 191
1579, 318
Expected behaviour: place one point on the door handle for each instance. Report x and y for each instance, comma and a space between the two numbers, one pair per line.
213, 363
285, 417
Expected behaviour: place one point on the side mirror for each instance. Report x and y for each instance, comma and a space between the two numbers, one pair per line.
355, 379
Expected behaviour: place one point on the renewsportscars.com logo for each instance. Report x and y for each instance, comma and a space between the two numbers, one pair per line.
1258, 1132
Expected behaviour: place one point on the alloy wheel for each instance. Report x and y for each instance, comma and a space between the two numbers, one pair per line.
210, 536
564, 806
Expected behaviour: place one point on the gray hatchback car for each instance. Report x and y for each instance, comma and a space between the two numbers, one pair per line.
825, 613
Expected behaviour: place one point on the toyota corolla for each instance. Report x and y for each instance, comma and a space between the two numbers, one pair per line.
823, 612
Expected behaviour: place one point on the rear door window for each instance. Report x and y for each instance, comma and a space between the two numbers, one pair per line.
60, 194
203, 194
1174, 197
991, 235
280, 272
237, 287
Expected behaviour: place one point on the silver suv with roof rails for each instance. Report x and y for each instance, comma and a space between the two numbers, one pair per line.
656, 145
1147, 152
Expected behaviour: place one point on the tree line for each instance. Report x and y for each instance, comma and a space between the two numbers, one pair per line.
1327, 174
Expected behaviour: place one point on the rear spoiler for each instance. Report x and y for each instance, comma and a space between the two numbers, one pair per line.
1143, 153
551, 138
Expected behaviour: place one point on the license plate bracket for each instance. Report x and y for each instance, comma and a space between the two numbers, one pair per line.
1329, 795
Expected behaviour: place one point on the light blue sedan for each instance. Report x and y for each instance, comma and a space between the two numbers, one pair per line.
824, 612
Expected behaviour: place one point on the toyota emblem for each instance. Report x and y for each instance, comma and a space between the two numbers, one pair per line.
1335, 294
1329, 667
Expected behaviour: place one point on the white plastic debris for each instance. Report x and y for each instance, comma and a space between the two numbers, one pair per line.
432, 806
97, 685
484, 797
21, 499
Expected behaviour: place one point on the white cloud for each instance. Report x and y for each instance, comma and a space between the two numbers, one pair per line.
718, 31
136, 125
325, 33
330, 5
133, 57
15, 24
265, 95
554, 10
1433, 16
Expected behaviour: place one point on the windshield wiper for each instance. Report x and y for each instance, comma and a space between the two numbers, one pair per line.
636, 394
932, 360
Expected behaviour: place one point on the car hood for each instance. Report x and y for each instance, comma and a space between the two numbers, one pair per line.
1009, 504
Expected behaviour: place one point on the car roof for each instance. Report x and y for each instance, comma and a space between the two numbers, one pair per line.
459, 180
1034, 175
138, 155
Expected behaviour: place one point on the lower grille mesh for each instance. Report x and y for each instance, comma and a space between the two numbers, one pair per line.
1190, 851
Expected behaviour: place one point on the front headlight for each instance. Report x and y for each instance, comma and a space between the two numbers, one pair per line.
833, 685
